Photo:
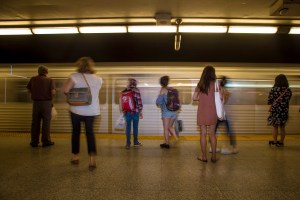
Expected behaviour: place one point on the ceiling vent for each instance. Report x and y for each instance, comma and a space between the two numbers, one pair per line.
163, 19
285, 8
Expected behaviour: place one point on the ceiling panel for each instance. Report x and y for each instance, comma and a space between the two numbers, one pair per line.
127, 11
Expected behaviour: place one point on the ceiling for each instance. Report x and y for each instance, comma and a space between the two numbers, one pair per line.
45, 12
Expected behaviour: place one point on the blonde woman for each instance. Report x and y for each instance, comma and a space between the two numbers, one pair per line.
86, 113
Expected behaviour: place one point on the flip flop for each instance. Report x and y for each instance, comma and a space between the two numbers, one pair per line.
75, 161
202, 160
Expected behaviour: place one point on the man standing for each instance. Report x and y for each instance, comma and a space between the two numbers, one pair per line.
42, 89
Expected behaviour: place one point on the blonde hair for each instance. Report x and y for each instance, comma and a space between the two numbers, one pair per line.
85, 65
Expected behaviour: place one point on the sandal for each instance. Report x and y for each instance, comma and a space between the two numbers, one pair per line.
201, 159
279, 144
74, 161
92, 167
271, 142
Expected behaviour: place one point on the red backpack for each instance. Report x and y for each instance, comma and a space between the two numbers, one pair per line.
127, 101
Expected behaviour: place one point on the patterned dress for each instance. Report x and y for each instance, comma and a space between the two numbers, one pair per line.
280, 109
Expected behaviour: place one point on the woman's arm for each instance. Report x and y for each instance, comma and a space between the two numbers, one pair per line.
160, 98
68, 85
196, 94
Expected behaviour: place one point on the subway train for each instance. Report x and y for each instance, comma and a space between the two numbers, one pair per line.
248, 83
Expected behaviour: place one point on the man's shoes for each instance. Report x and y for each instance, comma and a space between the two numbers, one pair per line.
127, 146
33, 144
48, 144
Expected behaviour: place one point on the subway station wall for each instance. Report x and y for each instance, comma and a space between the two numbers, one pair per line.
154, 47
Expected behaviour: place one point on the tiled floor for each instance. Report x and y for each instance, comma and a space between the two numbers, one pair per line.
256, 172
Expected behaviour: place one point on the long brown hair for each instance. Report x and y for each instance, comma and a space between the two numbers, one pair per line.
207, 76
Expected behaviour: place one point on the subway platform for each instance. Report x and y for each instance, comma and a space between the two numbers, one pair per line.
257, 172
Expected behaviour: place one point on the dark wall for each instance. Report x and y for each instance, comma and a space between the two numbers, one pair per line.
142, 47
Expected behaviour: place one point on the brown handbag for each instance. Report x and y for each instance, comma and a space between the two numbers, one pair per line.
80, 96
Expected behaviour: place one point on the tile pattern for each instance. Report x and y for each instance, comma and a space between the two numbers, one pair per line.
148, 172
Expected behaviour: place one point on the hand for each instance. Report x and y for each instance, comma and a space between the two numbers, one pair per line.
141, 116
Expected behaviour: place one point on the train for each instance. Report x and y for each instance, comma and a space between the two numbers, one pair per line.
248, 84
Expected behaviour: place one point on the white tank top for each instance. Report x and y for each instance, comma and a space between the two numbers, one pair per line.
95, 83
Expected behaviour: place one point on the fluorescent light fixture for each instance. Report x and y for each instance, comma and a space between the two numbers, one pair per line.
15, 31
103, 29
203, 29
252, 29
55, 30
295, 30
151, 29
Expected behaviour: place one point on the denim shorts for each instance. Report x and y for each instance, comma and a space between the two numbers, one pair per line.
169, 114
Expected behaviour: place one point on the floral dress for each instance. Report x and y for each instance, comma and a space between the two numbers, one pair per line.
280, 109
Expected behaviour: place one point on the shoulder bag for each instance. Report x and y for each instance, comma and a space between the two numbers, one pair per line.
80, 96
219, 103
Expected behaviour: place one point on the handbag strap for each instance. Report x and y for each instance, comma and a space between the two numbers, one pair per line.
279, 96
86, 82
217, 86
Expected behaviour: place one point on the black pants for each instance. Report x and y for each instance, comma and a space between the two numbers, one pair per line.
90, 137
41, 113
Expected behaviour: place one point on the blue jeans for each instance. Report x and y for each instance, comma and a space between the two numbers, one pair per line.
76, 128
134, 118
230, 133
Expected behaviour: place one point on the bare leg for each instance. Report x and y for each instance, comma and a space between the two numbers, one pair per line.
171, 129
92, 163
275, 133
166, 129
203, 141
282, 133
213, 141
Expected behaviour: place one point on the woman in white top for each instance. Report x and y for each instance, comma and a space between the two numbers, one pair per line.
86, 113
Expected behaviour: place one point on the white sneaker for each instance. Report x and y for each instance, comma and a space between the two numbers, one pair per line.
225, 151
217, 150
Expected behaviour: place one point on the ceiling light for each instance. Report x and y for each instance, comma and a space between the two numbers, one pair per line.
15, 31
295, 30
203, 29
55, 30
252, 29
103, 29
152, 29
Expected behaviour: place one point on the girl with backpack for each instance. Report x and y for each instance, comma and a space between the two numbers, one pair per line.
168, 117
132, 107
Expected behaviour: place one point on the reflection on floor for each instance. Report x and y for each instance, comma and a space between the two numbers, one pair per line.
148, 172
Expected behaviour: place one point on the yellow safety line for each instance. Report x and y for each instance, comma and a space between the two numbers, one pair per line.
155, 137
